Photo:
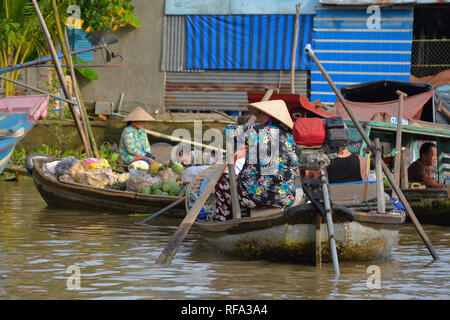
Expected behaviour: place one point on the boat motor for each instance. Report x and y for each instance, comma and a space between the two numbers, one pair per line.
317, 143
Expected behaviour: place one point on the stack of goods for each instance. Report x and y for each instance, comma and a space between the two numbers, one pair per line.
159, 179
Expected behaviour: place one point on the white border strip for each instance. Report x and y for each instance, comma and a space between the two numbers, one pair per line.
363, 51
365, 73
368, 62
363, 41
362, 30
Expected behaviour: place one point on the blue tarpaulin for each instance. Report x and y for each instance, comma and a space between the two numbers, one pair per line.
246, 42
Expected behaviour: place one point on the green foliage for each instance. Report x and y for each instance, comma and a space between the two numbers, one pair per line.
19, 157
87, 72
107, 15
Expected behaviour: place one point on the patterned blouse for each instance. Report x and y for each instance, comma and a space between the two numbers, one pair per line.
132, 144
265, 179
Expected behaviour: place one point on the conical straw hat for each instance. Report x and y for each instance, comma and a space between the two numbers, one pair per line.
138, 114
275, 108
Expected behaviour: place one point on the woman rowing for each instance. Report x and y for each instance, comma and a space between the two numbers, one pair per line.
267, 166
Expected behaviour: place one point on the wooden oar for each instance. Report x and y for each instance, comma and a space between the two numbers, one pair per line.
160, 212
369, 143
170, 250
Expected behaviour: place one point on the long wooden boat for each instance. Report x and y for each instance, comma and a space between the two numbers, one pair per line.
79, 196
290, 235
431, 206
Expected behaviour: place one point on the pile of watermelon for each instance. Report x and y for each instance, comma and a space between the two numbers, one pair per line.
166, 188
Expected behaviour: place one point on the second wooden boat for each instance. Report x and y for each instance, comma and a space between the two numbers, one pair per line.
79, 196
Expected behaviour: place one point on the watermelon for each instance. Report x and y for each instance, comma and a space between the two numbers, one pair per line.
177, 168
145, 190
157, 192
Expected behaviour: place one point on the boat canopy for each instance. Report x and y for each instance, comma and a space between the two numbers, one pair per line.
369, 99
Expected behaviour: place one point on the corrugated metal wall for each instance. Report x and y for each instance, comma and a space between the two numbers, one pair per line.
173, 57
352, 53
224, 90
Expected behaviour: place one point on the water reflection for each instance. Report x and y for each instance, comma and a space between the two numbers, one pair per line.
116, 259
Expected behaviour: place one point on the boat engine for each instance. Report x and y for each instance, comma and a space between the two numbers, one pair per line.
318, 141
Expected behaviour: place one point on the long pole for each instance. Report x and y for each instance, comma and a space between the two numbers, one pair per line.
369, 143
170, 250
65, 47
79, 98
331, 237
398, 140
294, 48
61, 75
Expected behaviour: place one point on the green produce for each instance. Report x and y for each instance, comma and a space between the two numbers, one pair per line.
174, 190
164, 193
166, 186
156, 185
157, 192
146, 190
178, 168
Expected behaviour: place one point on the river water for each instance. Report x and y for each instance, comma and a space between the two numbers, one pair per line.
42, 251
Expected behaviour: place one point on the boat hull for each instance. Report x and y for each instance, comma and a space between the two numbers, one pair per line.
292, 237
77, 196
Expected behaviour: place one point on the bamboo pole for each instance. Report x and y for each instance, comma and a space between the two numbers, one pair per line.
79, 98
65, 47
369, 143
294, 48
61, 75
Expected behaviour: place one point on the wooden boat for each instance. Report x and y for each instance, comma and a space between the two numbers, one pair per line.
79, 196
431, 206
18, 114
290, 235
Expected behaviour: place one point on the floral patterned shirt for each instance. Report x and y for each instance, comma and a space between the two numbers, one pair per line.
132, 144
267, 178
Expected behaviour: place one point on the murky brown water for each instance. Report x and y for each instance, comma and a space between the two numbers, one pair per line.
116, 260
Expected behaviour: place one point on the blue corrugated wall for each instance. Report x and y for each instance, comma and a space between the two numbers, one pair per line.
78, 40
245, 42
352, 53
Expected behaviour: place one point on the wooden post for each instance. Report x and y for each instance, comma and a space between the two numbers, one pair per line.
404, 170
398, 141
318, 240
235, 203
61, 76
294, 48
381, 203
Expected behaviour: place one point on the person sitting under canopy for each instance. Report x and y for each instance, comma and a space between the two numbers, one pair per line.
420, 170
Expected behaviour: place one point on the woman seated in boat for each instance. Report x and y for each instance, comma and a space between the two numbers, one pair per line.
347, 167
134, 145
266, 165
420, 170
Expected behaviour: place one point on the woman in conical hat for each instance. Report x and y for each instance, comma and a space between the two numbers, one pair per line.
267, 166
134, 145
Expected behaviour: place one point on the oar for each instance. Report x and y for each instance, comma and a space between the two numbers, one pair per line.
170, 250
160, 212
369, 143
